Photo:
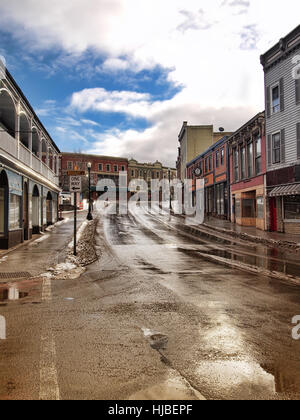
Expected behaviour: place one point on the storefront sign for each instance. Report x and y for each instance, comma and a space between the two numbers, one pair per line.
15, 183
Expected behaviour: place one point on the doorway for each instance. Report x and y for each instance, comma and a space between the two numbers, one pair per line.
49, 207
3, 204
35, 210
273, 215
25, 213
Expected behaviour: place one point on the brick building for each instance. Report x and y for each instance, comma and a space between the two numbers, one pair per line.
247, 148
103, 167
213, 167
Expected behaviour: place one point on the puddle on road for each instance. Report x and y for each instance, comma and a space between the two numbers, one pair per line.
12, 294
19, 290
156, 340
264, 262
173, 389
236, 379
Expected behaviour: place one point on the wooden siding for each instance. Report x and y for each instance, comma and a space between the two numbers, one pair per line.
286, 120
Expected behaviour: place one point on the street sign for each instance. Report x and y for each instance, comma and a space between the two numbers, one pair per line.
76, 173
75, 184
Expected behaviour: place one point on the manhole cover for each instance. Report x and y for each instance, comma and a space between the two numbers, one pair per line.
18, 275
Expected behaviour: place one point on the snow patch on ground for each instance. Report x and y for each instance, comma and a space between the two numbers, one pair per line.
42, 239
61, 222
3, 259
79, 234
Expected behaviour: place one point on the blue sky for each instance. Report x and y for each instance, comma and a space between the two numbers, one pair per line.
119, 77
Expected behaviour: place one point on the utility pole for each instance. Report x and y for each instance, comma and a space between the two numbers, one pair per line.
89, 216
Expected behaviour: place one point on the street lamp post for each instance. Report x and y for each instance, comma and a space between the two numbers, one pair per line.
170, 195
89, 216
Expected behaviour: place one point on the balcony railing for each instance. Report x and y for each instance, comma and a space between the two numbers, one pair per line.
10, 145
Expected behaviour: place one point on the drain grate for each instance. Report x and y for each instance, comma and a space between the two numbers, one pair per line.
18, 275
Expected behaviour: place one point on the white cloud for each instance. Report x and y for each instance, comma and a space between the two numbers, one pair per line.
212, 47
90, 122
99, 99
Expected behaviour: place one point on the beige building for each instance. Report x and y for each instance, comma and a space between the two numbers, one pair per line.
148, 171
194, 140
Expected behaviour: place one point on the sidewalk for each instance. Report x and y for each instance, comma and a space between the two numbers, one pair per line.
252, 234
34, 257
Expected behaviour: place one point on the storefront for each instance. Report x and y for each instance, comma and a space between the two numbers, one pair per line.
21, 208
11, 222
221, 200
249, 208
284, 209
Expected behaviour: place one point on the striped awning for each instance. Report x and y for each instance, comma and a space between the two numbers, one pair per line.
285, 190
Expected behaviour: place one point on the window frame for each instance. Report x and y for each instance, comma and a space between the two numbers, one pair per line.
217, 158
274, 162
273, 87
258, 157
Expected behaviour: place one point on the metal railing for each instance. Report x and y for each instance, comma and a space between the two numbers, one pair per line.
10, 145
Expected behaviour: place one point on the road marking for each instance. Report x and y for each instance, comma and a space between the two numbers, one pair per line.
49, 389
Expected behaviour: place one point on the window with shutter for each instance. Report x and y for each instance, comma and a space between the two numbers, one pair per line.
298, 140
297, 91
269, 150
268, 101
282, 146
281, 84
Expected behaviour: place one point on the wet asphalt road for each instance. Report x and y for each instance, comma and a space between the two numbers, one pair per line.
155, 318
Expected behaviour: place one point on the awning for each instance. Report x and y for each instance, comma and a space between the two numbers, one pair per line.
285, 190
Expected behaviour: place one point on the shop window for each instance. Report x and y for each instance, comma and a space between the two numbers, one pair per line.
260, 207
292, 208
249, 208
238, 209
220, 200
14, 212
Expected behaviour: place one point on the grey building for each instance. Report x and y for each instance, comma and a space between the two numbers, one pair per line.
282, 96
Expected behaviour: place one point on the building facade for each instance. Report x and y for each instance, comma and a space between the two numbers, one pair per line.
29, 168
194, 140
247, 151
148, 171
103, 167
282, 92
212, 166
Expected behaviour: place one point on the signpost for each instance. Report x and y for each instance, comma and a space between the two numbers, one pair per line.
75, 187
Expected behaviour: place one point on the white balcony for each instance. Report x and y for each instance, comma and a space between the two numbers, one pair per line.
9, 145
